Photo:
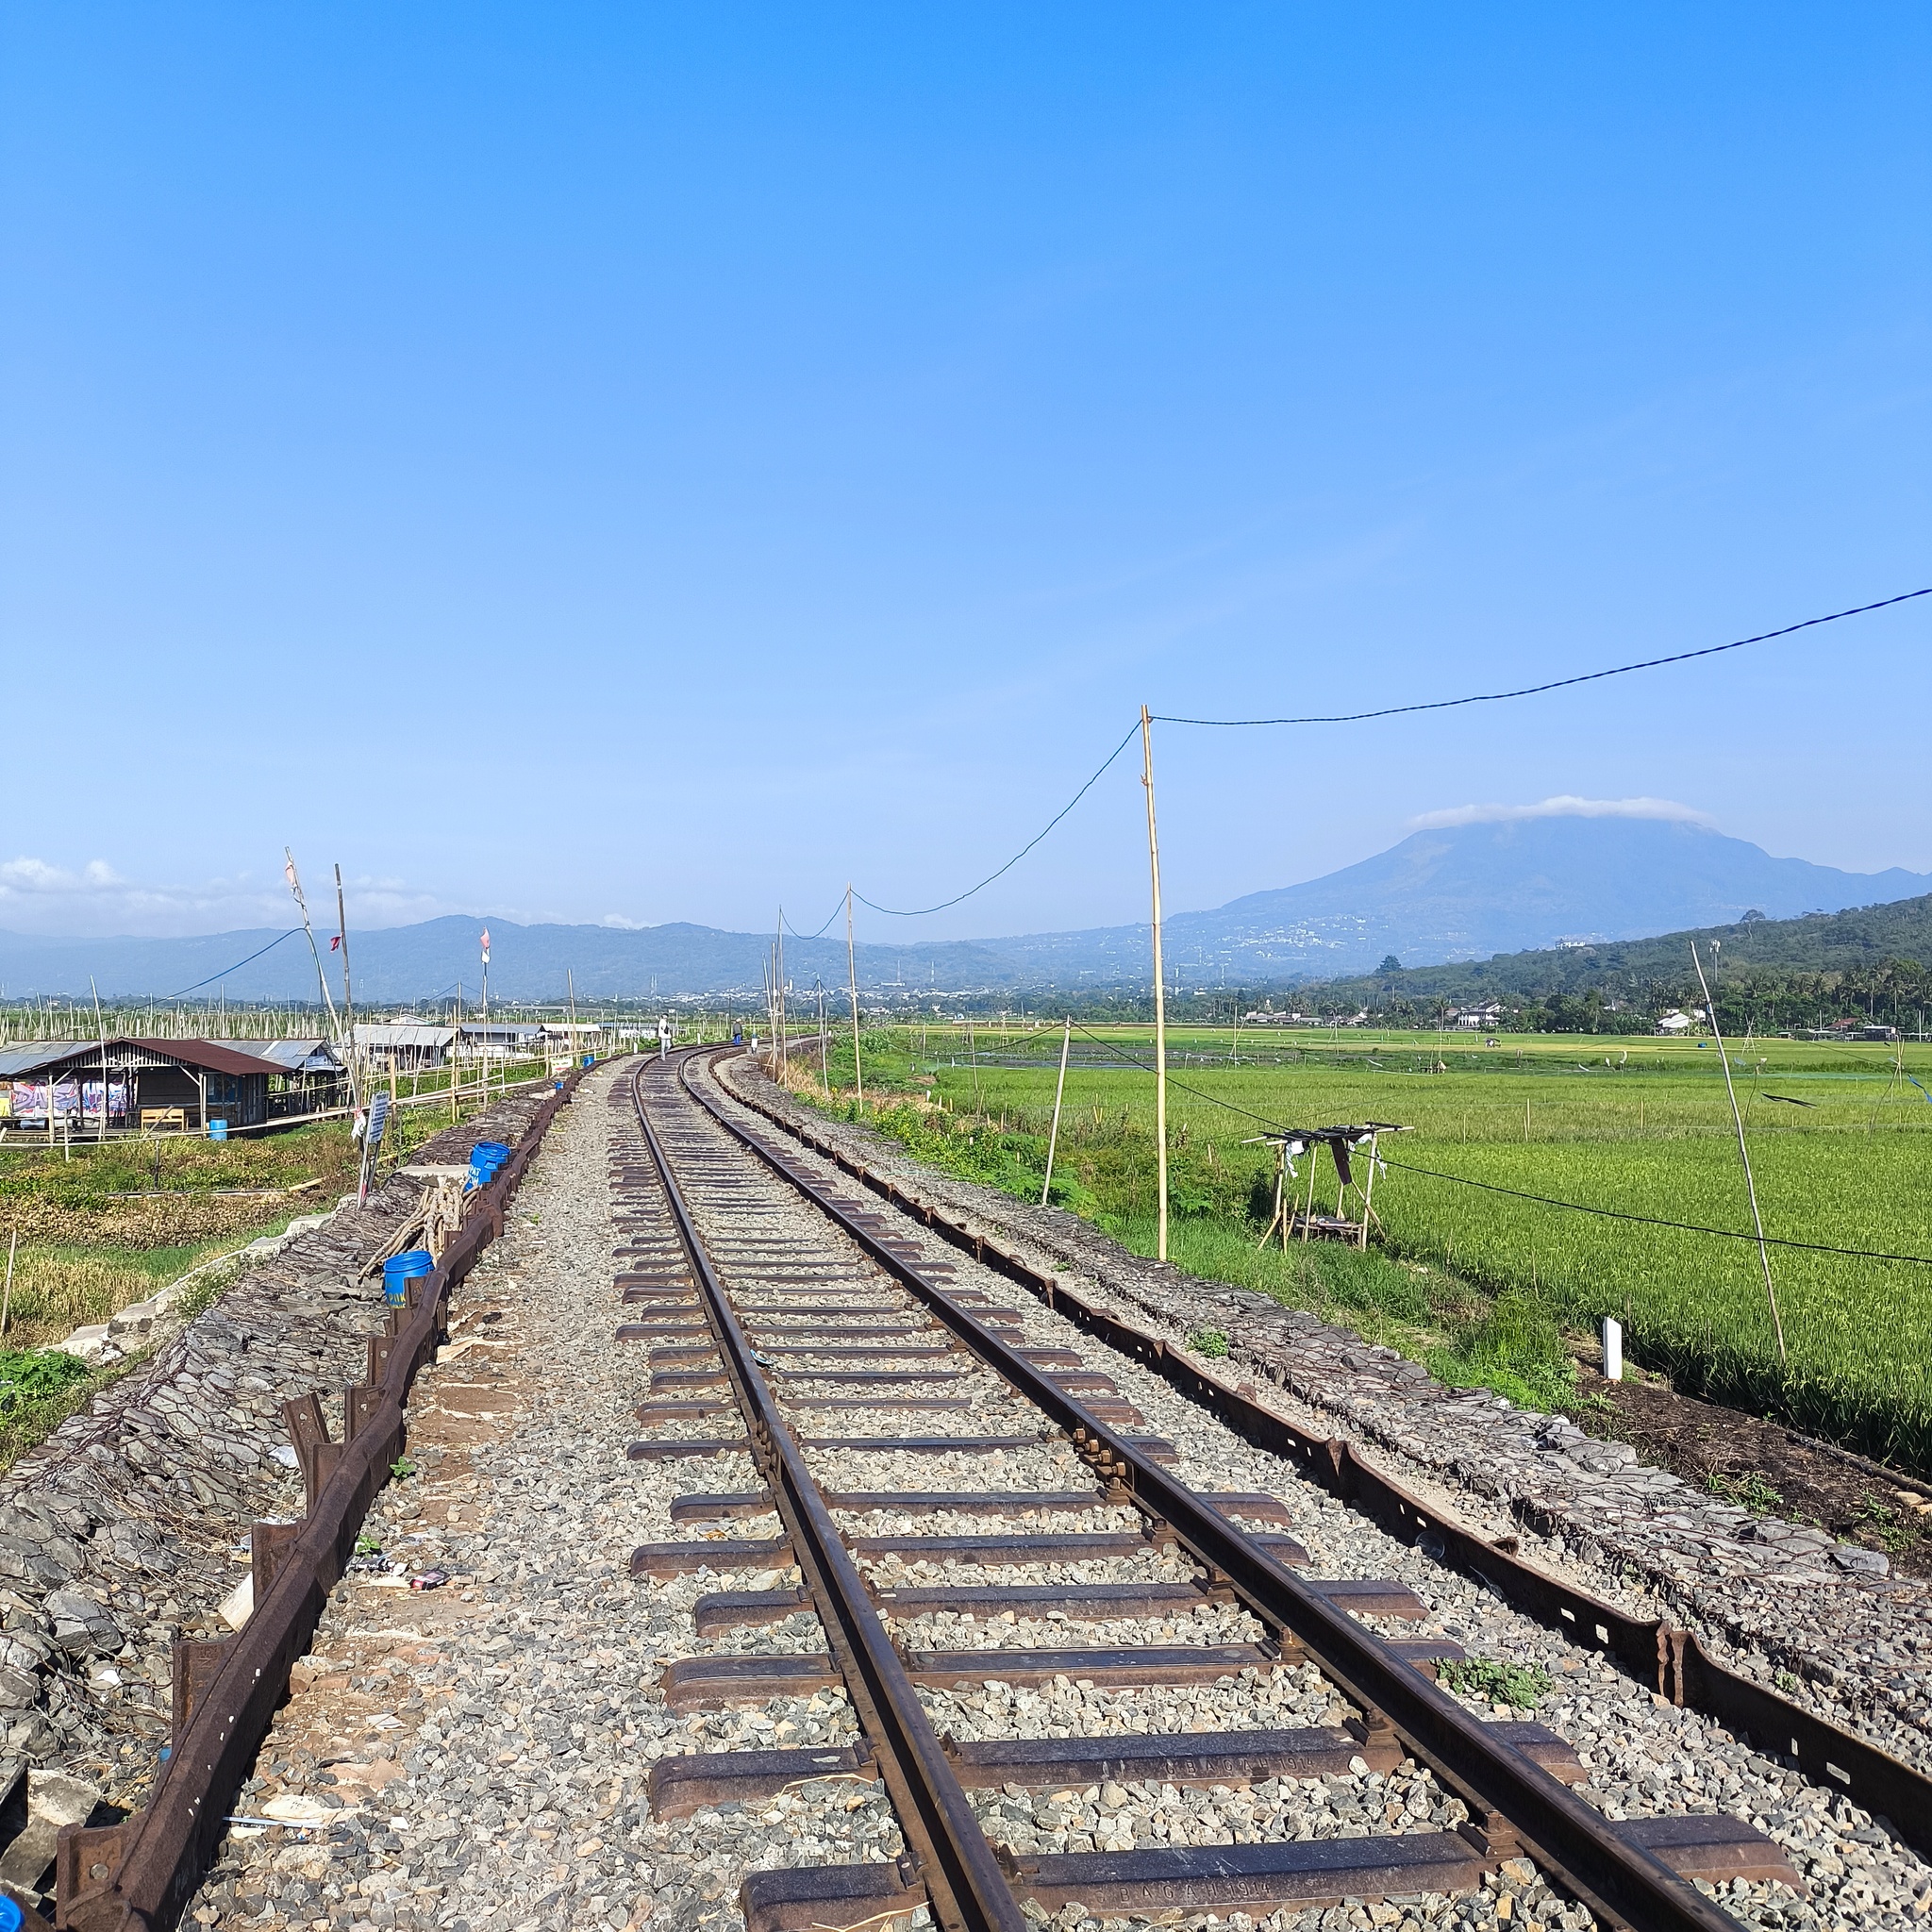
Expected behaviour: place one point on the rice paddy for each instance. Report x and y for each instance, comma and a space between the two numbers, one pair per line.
1840, 1138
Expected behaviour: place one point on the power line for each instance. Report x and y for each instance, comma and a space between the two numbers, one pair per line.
1530, 691
833, 914
902, 913
235, 968
1729, 1234
1363, 717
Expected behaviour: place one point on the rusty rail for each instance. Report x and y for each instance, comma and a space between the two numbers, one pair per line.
1511, 1795
1653, 1650
968, 1891
137, 1876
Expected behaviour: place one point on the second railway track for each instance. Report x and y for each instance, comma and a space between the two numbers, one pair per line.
1098, 1670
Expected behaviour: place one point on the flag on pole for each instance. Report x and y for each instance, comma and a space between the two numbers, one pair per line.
486, 945
335, 940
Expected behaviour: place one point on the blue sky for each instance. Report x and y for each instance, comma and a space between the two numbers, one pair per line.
650, 463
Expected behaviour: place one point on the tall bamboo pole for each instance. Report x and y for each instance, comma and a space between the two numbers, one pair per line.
315, 953
1743, 1154
1052, 1140
101, 1027
1159, 984
852, 977
356, 1081
778, 969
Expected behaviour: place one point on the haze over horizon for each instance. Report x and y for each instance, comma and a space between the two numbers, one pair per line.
274, 908
658, 468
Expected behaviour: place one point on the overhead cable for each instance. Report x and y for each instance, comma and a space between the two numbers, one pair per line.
920, 913
1491, 697
1729, 1234
1530, 691
235, 968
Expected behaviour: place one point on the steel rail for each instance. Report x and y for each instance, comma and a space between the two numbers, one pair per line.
1681, 1669
1618, 1880
968, 1891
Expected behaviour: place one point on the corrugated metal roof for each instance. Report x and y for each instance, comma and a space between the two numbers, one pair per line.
298, 1056
211, 1056
16, 1063
401, 1033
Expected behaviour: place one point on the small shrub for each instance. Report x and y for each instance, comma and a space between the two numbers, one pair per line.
1885, 1526
1211, 1342
1523, 1687
1745, 1488
29, 1377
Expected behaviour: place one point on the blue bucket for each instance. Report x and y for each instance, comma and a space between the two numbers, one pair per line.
218, 1130
400, 1270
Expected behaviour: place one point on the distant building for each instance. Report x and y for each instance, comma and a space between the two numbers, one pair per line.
313, 1076
488, 1039
1675, 1022
408, 1046
1479, 1018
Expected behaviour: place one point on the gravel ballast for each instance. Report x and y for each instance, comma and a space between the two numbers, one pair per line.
475, 1755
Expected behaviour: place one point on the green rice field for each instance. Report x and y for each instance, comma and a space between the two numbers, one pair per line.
1840, 1139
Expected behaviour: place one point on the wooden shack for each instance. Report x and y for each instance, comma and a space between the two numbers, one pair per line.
142, 1086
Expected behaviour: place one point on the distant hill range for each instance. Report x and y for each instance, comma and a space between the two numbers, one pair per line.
1442, 897
1843, 942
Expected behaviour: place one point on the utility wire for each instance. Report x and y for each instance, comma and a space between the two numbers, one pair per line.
920, 913
1530, 691
1729, 1234
235, 968
1491, 697
833, 914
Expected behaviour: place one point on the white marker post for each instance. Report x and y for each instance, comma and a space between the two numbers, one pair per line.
1613, 1349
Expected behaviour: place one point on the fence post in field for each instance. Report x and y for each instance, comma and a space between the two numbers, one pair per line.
1160, 982
1723, 1059
1052, 1140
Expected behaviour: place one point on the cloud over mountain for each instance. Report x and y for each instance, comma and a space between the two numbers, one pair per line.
1565, 805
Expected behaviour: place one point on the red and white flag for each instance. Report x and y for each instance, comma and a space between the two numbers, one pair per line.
486, 945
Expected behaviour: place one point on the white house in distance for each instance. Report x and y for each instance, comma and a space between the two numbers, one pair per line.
1675, 1023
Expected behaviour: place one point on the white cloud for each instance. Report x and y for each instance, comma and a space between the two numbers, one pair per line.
1565, 806
94, 901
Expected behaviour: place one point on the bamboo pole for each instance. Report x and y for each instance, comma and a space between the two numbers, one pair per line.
852, 977
7, 1294
315, 953
356, 1080
1052, 1140
1743, 1154
1160, 985
1369, 1194
101, 1027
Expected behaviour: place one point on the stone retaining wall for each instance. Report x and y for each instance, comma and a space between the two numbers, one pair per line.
129, 1526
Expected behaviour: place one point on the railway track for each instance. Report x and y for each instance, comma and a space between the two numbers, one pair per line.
1006, 1571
